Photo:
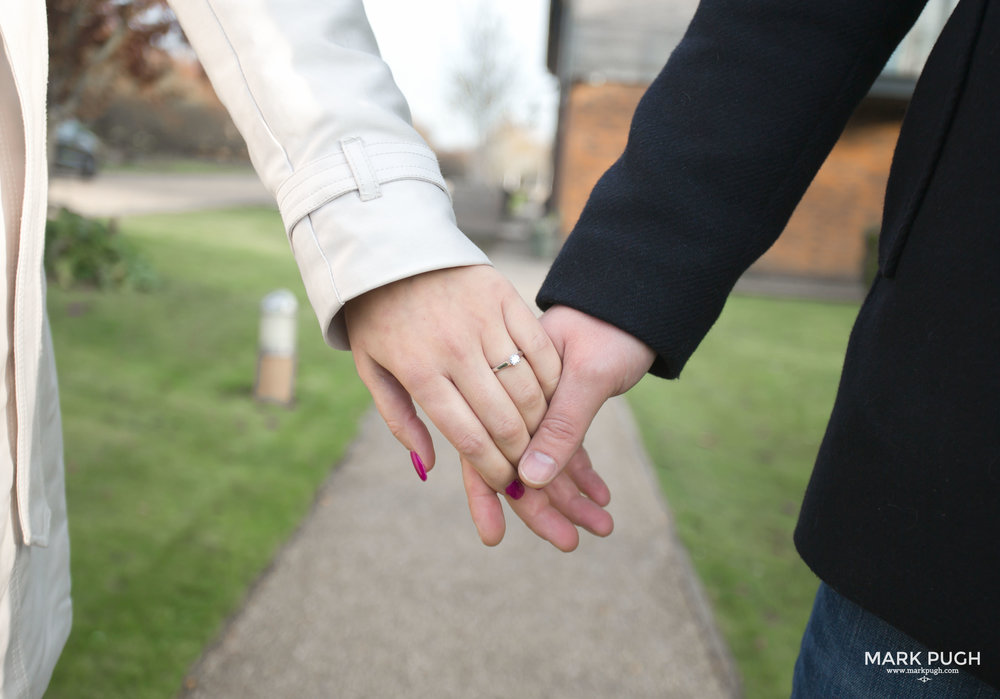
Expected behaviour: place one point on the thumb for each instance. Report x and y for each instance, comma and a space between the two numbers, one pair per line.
560, 434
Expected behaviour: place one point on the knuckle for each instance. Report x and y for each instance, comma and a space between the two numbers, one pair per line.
531, 401
538, 342
558, 427
402, 425
457, 347
419, 376
396, 427
508, 429
471, 445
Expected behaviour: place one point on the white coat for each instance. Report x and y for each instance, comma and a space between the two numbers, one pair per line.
362, 200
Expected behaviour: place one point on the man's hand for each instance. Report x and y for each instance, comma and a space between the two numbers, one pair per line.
598, 361
575, 498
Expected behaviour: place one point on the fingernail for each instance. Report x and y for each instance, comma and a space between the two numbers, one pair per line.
418, 465
515, 490
537, 467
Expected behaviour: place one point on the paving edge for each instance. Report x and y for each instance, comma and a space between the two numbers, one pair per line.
694, 593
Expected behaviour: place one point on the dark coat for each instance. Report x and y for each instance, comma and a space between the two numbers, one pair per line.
902, 514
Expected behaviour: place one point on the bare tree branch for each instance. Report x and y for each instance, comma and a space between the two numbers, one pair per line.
483, 77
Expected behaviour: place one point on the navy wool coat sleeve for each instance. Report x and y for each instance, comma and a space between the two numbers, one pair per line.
902, 514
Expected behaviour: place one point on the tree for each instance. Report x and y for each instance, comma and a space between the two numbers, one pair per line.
483, 77
93, 43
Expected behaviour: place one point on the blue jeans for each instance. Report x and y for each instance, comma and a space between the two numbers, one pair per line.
844, 651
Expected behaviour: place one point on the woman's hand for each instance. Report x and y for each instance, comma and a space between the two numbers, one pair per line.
436, 337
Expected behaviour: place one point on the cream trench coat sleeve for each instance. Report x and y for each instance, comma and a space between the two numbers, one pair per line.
361, 195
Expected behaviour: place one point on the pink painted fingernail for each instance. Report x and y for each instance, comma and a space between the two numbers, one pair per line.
418, 465
515, 490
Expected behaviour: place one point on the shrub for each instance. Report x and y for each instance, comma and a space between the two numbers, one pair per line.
135, 126
82, 252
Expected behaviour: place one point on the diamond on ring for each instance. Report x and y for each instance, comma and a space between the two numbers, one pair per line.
512, 360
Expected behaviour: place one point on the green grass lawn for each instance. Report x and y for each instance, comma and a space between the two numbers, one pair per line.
180, 486
733, 442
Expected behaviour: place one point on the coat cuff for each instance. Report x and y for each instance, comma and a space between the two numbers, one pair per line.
354, 244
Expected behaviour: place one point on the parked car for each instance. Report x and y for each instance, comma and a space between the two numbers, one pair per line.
77, 148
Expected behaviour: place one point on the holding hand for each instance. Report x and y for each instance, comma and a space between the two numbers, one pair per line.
599, 361
439, 338
577, 496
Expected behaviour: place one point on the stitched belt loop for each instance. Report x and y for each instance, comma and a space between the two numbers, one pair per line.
336, 174
361, 168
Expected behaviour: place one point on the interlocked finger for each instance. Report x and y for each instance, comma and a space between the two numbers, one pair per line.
534, 346
525, 392
498, 407
466, 429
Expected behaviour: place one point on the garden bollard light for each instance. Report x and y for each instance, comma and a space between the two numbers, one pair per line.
276, 348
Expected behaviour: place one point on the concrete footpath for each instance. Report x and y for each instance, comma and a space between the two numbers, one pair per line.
385, 591
131, 193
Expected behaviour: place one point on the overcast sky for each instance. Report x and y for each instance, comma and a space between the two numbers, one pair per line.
422, 40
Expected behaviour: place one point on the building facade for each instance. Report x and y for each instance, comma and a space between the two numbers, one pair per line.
606, 52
